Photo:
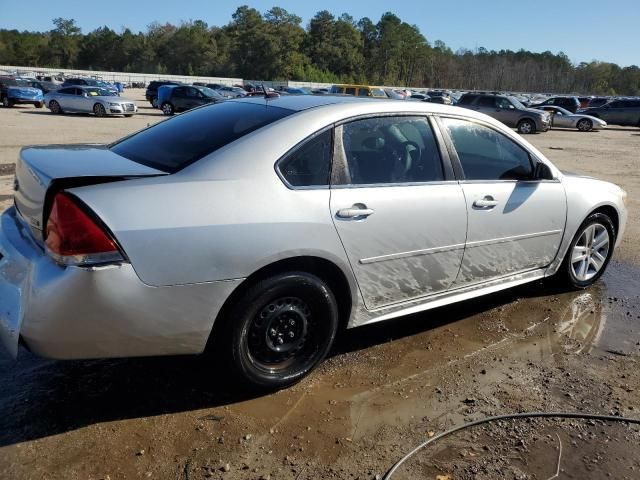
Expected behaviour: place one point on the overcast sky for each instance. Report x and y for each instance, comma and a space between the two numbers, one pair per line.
585, 31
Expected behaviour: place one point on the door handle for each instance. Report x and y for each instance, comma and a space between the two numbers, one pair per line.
486, 202
357, 211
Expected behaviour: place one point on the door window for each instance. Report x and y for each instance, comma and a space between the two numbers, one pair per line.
486, 102
486, 154
363, 92
503, 103
389, 150
308, 165
350, 91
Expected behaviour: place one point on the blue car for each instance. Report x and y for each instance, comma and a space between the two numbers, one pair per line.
15, 91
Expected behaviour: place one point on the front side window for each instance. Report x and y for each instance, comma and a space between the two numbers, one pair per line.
486, 154
173, 144
363, 92
350, 91
503, 103
389, 150
309, 164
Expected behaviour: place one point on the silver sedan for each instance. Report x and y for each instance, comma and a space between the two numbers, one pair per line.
259, 227
563, 118
96, 100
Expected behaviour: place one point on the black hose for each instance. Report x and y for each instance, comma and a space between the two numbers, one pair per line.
583, 416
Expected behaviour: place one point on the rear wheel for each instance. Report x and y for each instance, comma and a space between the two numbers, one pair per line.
55, 107
99, 110
128, 115
280, 330
38, 104
589, 252
167, 109
154, 102
585, 125
526, 127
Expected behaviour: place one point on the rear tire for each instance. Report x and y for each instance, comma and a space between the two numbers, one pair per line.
38, 104
585, 125
167, 109
55, 107
99, 110
526, 127
279, 330
154, 102
589, 252
128, 115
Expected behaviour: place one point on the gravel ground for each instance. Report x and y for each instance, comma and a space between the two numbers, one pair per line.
385, 389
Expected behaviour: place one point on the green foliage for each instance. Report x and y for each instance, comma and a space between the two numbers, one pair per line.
275, 46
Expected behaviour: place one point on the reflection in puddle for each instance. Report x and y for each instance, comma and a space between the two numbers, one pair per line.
580, 324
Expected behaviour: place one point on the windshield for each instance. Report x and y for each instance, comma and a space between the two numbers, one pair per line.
173, 144
13, 82
209, 92
517, 103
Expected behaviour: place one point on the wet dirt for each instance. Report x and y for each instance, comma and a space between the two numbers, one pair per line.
385, 389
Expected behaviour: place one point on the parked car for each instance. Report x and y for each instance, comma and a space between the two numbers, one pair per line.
15, 91
570, 103
439, 97
584, 102
233, 226
508, 110
96, 100
151, 94
618, 112
42, 85
178, 98
358, 90
563, 118
598, 102
90, 82
231, 92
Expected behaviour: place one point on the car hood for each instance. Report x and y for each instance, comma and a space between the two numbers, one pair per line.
535, 110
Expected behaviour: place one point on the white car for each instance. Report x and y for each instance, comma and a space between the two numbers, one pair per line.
96, 100
563, 118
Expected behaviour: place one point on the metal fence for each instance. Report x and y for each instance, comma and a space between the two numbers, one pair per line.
125, 77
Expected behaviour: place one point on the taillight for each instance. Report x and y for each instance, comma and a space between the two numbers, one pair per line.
73, 238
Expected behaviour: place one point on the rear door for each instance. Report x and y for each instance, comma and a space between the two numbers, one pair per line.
515, 223
399, 212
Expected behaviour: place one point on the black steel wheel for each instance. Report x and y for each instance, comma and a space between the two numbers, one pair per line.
281, 329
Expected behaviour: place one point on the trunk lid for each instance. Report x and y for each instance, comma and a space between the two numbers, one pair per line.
43, 170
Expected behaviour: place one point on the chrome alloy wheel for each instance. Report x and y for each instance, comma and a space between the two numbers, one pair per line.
590, 252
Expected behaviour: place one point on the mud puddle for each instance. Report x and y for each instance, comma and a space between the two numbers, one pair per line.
386, 388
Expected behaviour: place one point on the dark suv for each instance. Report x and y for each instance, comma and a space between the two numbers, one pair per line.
570, 103
152, 90
179, 98
508, 110
624, 111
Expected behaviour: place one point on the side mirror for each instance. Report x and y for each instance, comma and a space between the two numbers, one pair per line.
542, 172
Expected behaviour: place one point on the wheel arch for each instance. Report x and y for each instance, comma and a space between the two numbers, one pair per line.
339, 281
611, 212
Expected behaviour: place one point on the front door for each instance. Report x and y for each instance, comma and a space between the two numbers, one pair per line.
516, 223
400, 217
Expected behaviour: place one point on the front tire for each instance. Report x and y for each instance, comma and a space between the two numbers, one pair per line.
526, 127
6, 103
585, 125
589, 252
99, 110
38, 104
280, 329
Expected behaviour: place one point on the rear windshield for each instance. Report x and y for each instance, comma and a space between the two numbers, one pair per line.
173, 144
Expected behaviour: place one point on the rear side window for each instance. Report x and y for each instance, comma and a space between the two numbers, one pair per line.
173, 144
309, 164
486, 102
467, 99
486, 154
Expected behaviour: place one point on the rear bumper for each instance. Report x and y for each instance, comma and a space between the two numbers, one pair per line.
70, 312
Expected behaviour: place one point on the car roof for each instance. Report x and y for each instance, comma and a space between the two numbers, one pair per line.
304, 102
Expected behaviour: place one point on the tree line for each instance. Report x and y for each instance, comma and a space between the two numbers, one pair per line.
276, 46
